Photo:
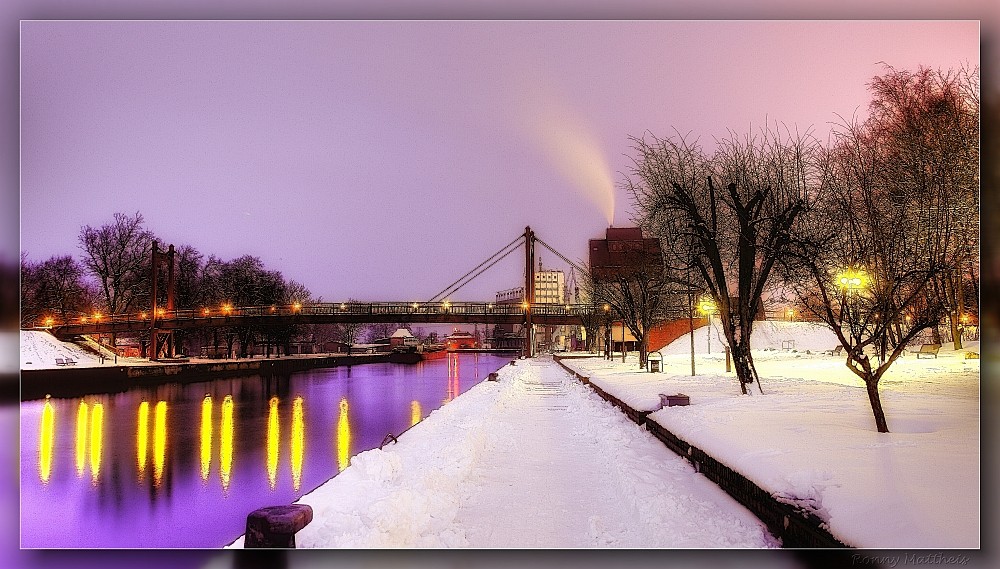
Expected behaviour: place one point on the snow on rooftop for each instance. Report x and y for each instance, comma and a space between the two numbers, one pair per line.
401, 333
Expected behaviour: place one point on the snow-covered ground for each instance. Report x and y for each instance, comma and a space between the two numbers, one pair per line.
811, 438
39, 350
533, 460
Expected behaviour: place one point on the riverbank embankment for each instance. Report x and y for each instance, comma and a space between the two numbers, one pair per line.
77, 381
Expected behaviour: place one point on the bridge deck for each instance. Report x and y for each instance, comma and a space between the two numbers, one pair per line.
327, 313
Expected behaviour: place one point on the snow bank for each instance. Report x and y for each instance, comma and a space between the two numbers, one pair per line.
39, 350
811, 439
766, 335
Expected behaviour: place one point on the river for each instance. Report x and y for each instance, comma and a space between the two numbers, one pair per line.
181, 465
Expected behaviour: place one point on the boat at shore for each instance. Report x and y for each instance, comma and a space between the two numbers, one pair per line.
434, 353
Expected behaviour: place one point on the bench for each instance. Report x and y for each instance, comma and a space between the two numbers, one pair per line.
835, 351
928, 349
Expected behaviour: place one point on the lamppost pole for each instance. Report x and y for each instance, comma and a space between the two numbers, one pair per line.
708, 307
691, 326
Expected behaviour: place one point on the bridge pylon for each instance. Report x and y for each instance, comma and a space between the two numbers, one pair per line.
529, 291
161, 340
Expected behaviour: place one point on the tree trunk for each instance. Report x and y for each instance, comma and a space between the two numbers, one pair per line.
743, 361
873, 398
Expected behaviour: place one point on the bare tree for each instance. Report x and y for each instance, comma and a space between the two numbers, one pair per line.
929, 123
633, 293
379, 330
876, 256
54, 288
118, 254
726, 215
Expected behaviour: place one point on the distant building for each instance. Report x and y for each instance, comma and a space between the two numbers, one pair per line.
550, 288
460, 340
621, 251
403, 338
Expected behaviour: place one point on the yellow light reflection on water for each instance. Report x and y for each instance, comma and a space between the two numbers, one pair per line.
415, 413
298, 443
81, 437
46, 441
96, 441
159, 441
142, 437
226, 442
273, 432
343, 437
453, 385
206, 436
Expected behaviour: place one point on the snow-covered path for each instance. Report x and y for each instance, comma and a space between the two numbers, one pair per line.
534, 460
584, 476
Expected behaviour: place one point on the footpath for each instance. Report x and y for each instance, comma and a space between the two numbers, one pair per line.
533, 460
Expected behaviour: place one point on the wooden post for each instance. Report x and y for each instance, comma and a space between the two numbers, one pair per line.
275, 526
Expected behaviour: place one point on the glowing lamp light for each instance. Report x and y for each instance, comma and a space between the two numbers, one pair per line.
206, 311
49, 322
415, 305
273, 308
227, 308
447, 305
296, 307
965, 319
524, 305
851, 279
143, 315
343, 306
160, 311
707, 306
97, 317
83, 320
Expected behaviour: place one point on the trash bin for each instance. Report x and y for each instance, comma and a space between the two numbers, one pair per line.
654, 366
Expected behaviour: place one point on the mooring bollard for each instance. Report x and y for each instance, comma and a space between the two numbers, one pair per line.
492, 377
275, 526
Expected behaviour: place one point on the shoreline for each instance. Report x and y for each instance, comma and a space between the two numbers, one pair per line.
68, 382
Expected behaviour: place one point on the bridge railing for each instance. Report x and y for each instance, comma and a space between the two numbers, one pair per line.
401, 309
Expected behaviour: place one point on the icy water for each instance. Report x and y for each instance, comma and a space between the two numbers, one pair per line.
183, 465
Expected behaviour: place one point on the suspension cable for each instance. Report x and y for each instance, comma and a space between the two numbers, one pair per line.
584, 272
483, 270
515, 242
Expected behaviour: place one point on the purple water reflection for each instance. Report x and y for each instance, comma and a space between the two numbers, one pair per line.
182, 465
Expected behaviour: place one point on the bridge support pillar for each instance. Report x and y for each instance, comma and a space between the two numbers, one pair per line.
529, 291
161, 258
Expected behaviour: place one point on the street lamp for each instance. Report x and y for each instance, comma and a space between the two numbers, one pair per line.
607, 331
707, 306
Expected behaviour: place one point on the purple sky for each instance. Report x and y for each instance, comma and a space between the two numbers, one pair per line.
382, 160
